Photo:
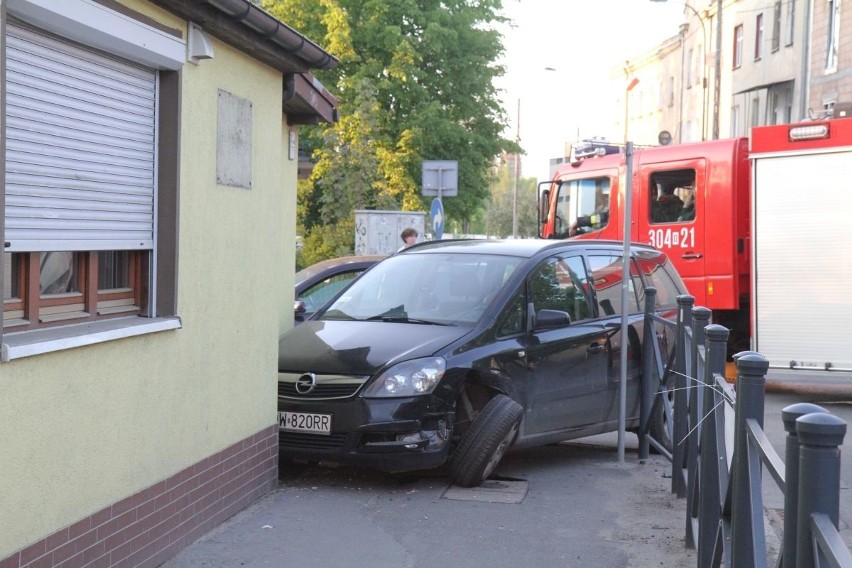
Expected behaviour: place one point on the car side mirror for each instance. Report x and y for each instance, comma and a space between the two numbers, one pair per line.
299, 307
549, 319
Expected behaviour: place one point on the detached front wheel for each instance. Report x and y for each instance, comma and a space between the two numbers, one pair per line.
483, 445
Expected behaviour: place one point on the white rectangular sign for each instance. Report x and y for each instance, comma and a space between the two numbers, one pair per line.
443, 175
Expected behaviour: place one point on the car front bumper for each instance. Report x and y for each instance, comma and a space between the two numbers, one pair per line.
395, 434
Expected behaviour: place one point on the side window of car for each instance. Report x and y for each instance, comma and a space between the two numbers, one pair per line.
607, 276
317, 295
511, 320
562, 284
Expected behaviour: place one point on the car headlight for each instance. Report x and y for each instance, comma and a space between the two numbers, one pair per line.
409, 378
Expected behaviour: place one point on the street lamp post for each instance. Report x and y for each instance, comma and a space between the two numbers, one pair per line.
516, 174
629, 88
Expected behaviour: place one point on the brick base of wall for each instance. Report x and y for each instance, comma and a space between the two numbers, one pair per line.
150, 527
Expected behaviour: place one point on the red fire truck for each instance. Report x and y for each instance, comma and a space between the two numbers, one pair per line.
757, 233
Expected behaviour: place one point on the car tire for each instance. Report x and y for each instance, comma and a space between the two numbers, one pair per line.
483, 445
659, 421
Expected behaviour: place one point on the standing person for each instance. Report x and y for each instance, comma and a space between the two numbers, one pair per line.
409, 237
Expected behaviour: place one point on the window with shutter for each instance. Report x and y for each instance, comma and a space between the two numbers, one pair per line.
80, 182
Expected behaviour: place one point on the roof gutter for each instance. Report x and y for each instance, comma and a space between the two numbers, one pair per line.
248, 27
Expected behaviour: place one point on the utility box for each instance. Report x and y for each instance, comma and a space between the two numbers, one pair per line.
378, 232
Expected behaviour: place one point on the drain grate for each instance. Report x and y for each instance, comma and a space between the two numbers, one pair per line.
493, 490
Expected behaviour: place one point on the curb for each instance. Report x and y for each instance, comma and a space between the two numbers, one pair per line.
828, 384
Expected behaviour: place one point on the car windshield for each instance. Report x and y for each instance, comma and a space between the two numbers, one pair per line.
440, 288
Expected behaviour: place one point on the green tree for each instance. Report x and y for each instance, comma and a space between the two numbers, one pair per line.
499, 213
414, 82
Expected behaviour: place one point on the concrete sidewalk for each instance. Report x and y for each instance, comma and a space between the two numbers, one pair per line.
564, 505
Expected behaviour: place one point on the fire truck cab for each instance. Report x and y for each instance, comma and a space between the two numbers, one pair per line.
759, 234
685, 201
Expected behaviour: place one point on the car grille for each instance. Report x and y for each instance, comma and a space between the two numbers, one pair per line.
297, 441
324, 386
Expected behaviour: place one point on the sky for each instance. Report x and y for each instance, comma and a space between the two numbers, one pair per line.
560, 55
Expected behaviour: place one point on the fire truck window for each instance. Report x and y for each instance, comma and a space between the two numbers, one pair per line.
672, 196
561, 284
563, 210
607, 274
582, 206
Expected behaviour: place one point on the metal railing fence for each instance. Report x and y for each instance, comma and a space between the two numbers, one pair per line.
725, 513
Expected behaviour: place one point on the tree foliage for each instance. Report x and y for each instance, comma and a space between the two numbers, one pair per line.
413, 83
499, 213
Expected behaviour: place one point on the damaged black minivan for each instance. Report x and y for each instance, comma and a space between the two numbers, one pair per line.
454, 351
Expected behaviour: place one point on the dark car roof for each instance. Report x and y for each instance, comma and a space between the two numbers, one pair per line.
325, 268
515, 247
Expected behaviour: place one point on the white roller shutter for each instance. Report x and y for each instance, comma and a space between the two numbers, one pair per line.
802, 267
80, 147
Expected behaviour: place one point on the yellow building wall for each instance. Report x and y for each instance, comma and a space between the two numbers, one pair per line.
83, 428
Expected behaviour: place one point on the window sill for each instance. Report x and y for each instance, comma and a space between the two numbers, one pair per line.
17, 345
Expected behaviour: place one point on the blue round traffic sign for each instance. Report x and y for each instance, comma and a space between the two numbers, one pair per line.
437, 214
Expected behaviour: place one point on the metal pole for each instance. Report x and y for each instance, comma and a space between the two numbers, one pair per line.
820, 438
751, 389
441, 197
718, 77
625, 288
680, 428
791, 478
517, 174
713, 467
650, 379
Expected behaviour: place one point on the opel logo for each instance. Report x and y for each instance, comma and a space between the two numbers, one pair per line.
306, 383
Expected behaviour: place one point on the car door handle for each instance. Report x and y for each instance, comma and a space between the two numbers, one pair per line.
691, 255
595, 348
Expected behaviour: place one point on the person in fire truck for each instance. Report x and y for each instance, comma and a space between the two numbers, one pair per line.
667, 207
688, 211
595, 220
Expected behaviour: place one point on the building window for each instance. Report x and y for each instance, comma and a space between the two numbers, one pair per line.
755, 112
699, 62
90, 177
791, 20
758, 37
689, 59
773, 109
776, 26
671, 91
735, 121
80, 175
738, 46
788, 116
833, 35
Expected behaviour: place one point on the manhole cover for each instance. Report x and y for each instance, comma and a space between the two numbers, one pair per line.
510, 491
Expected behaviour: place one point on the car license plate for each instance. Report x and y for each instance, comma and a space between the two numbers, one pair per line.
305, 422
